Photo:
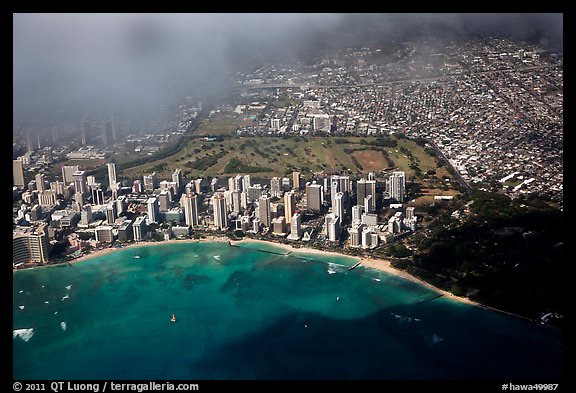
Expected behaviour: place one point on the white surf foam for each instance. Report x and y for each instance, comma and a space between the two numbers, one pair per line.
436, 338
24, 334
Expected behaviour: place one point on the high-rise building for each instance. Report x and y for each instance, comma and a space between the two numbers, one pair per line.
254, 192
220, 216
18, 174
177, 178
295, 227
47, 198
338, 207
355, 233
396, 186
107, 134
164, 201
125, 231
68, 173
246, 182
332, 227
214, 184
110, 213
121, 204
57, 186
275, 189
278, 225
137, 186
357, 213
410, 212
286, 184
238, 182
150, 181
84, 131
314, 197
190, 203
80, 183
139, 228
112, 182
289, 205
198, 186
264, 210
86, 215
30, 244
40, 182
236, 201
365, 188
152, 204
296, 180
97, 195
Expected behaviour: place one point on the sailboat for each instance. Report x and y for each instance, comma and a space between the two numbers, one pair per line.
173, 319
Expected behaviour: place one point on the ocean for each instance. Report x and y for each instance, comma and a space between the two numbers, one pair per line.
253, 312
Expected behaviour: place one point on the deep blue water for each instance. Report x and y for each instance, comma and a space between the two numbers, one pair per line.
247, 314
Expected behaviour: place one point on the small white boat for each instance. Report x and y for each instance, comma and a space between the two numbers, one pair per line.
136, 256
173, 319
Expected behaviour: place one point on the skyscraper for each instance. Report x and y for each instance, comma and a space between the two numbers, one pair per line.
80, 183
220, 217
190, 203
363, 189
332, 227
236, 201
275, 187
150, 181
40, 181
68, 173
177, 178
338, 208
18, 174
264, 210
112, 182
289, 205
396, 186
295, 227
314, 197
110, 213
30, 244
296, 180
152, 204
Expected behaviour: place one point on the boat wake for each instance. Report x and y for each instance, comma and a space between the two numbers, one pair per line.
24, 334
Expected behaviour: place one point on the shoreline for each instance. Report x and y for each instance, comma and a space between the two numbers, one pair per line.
383, 265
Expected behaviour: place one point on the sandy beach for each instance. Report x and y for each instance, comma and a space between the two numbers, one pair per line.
378, 264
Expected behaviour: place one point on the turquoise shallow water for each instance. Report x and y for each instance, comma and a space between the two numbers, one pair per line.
248, 314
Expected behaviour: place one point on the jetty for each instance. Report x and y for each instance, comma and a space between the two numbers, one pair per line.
429, 299
355, 266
